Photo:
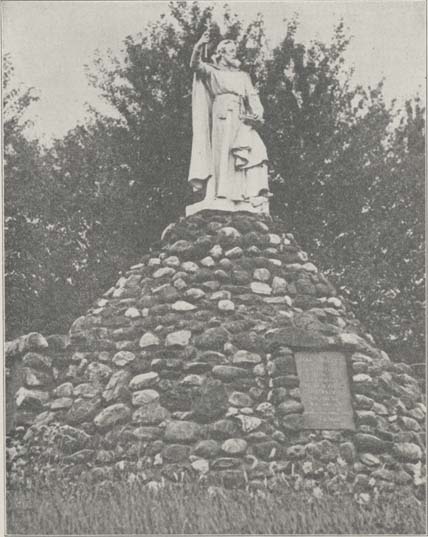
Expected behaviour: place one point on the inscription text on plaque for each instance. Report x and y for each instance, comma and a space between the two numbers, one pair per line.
324, 387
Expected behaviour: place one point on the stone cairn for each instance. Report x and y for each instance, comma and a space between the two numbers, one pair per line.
186, 369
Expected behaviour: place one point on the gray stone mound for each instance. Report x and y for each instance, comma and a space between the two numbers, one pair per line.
197, 364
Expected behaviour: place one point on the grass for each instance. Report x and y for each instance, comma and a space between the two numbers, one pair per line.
124, 508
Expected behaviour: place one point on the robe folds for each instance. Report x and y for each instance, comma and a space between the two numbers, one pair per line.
227, 154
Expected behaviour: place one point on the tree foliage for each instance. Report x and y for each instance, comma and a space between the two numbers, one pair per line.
346, 170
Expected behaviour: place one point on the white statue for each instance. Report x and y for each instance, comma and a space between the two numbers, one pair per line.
229, 159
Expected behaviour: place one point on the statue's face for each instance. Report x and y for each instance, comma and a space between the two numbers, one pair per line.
229, 52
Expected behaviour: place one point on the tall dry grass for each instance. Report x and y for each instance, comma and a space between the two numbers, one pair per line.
124, 508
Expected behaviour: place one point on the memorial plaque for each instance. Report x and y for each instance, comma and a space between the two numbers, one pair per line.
324, 387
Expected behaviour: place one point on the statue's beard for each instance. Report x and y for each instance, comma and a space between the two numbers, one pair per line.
231, 63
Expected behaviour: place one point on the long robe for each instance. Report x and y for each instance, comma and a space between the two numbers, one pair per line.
227, 153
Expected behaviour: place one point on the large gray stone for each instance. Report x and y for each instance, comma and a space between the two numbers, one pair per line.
150, 414
234, 446
112, 415
149, 340
181, 431
116, 386
213, 339
212, 402
181, 338
207, 448
143, 397
228, 373
144, 380
244, 358
123, 358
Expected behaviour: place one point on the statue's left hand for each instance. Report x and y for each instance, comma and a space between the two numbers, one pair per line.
253, 121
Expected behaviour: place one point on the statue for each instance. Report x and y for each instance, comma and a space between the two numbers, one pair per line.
229, 160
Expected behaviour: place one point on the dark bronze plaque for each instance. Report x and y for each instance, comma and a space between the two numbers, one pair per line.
324, 386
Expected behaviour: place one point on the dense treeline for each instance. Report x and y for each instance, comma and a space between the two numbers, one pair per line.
347, 171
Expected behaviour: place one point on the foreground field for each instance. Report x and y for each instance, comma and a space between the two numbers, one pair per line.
131, 508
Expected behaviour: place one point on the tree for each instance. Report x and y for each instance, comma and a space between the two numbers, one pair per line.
22, 208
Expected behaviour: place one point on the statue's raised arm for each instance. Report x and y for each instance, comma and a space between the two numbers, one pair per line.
229, 160
196, 58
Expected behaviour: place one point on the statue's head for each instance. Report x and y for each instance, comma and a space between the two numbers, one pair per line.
225, 54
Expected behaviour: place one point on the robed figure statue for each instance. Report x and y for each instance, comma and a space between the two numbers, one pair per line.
229, 159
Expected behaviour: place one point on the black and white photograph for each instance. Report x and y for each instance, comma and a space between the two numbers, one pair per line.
214, 267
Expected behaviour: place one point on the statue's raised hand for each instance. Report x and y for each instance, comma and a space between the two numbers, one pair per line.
204, 39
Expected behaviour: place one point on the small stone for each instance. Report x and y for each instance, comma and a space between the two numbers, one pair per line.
86, 389
265, 409
379, 409
182, 431
261, 288
408, 452
146, 434
409, 424
163, 272
262, 275
154, 262
144, 397
194, 293
348, 452
296, 452
37, 361
172, 261
35, 378
274, 240
259, 370
243, 357
132, 313
193, 380
212, 402
240, 399
144, 380
369, 459
226, 305
216, 251
64, 390
200, 465
362, 378
98, 372
249, 423
369, 442
279, 286
180, 338
234, 446
207, 262
190, 267
223, 429
292, 422
290, 407
229, 373
228, 236
111, 415
234, 253
213, 339
123, 358
150, 414
207, 448
61, 403
182, 305
149, 340
309, 267
335, 302
116, 385
180, 284
267, 451
175, 453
